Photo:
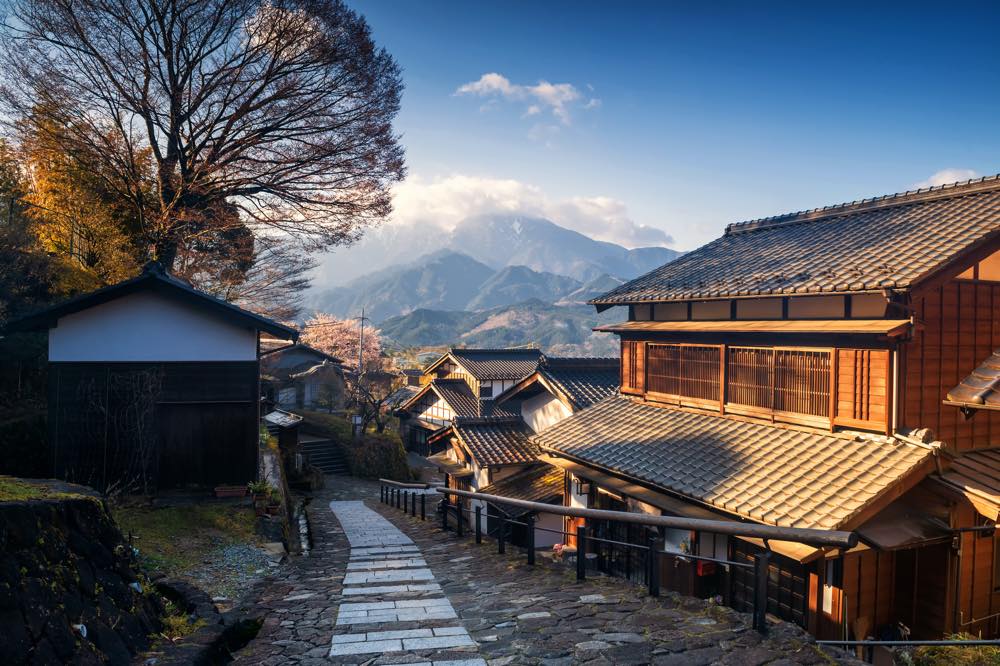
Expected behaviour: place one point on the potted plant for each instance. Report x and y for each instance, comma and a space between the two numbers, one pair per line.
273, 502
259, 490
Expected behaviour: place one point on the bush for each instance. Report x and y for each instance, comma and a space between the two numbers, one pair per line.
378, 456
374, 456
335, 427
944, 655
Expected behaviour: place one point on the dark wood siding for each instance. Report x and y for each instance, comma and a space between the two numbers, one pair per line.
959, 327
162, 425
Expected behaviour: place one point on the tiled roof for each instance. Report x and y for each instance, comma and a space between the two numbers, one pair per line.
890, 241
498, 363
458, 395
464, 402
583, 380
773, 475
981, 389
153, 277
977, 475
497, 442
538, 483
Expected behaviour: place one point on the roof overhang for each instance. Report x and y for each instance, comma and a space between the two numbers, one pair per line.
976, 476
666, 502
887, 327
450, 467
539, 379
153, 279
441, 359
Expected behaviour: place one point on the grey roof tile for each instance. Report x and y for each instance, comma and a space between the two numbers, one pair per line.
891, 241
780, 476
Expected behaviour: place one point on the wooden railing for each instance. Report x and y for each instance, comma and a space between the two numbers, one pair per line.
641, 561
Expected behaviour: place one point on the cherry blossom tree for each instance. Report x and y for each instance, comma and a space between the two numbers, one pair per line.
341, 337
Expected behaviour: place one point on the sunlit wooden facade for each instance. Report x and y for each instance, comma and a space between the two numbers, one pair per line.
868, 352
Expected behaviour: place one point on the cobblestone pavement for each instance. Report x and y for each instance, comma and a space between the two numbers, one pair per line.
380, 587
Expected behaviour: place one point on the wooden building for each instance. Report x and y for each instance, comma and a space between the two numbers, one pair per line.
153, 385
806, 370
298, 376
460, 382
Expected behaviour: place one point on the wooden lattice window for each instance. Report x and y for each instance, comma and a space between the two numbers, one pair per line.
684, 371
633, 366
779, 380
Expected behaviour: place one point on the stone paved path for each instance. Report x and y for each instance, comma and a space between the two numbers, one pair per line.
380, 587
400, 609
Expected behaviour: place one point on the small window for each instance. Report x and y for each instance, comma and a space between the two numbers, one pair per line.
486, 391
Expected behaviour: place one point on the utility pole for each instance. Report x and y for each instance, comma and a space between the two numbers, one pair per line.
357, 420
361, 344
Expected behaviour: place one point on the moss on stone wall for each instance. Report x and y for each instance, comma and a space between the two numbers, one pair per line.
69, 589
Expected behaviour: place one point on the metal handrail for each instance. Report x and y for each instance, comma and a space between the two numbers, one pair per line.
809, 536
401, 484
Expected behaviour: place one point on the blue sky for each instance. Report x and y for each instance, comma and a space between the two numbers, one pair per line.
665, 121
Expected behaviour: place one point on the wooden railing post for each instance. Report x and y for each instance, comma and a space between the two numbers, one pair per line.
423, 506
443, 506
655, 545
761, 562
581, 552
479, 524
502, 534
530, 526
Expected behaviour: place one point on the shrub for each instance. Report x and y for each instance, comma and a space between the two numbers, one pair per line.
946, 655
378, 456
374, 456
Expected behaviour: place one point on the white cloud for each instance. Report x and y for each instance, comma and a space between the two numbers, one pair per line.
556, 97
447, 201
944, 177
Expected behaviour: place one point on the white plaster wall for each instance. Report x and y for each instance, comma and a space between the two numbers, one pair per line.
578, 501
543, 410
149, 327
550, 521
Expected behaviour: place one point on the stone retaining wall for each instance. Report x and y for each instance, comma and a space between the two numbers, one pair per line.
69, 590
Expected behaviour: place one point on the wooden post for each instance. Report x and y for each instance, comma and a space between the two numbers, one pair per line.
653, 554
423, 506
530, 523
381, 494
413, 505
501, 535
479, 526
581, 552
443, 506
761, 562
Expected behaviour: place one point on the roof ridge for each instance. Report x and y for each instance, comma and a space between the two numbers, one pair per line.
494, 349
920, 195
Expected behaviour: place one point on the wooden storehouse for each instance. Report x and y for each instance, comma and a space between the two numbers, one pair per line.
806, 370
153, 385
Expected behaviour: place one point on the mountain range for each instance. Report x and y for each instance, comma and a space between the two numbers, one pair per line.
494, 240
492, 281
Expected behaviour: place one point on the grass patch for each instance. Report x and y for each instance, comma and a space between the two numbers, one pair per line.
173, 540
16, 490
943, 655
177, 624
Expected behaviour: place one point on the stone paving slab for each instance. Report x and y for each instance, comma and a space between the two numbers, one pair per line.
515, 613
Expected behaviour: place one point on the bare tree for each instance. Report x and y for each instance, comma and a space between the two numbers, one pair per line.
281, 109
